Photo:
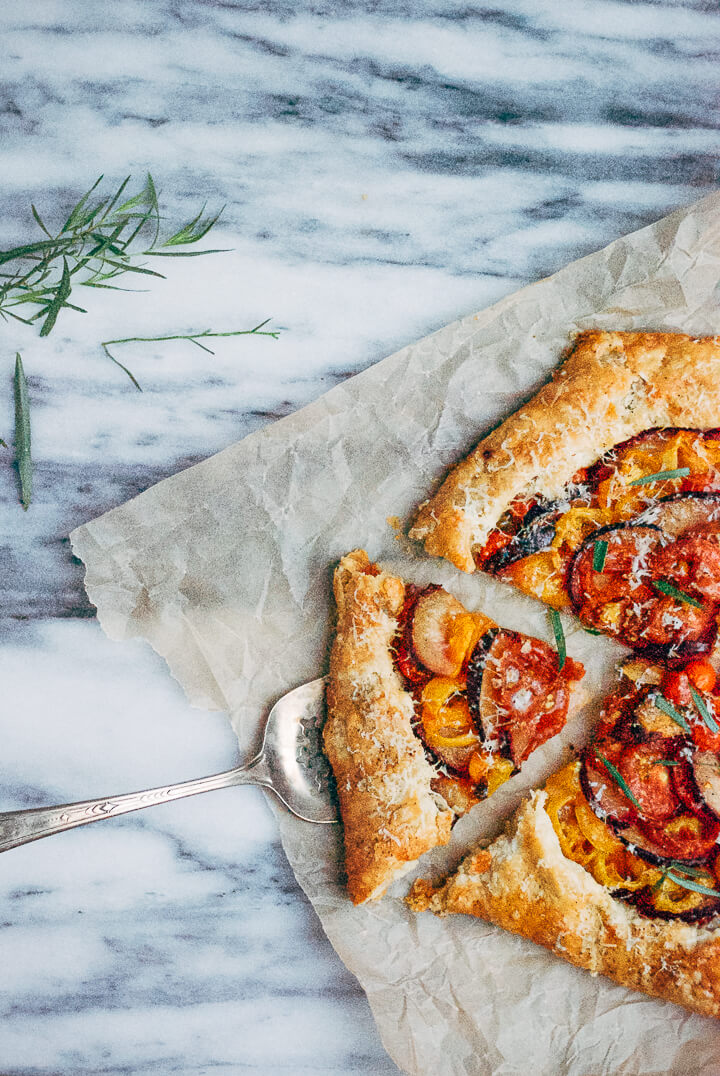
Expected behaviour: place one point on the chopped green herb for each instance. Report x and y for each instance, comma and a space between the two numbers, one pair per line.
22, 434
687, 883
702, 709
673, 592
618, 777
679, 472
592, 631
667, 708
599, 554
683, 868
665, 762
559, 636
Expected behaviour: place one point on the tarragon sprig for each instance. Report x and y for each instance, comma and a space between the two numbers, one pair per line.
102, 239
193, 338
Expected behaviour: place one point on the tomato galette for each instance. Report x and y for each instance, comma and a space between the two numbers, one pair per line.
430, 708
615, 865
602, 494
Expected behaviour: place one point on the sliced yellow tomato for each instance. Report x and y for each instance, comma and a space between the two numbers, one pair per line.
501, 770
445, 714
438, 691
465, 632
573, 528
598, 833
671, 897
542, 576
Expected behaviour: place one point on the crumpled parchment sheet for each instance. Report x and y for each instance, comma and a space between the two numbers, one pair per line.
225, 569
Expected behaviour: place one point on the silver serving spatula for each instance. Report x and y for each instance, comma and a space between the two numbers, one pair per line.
290, 762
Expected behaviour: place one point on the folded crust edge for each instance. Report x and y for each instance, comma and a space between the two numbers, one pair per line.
523, 883
612, 386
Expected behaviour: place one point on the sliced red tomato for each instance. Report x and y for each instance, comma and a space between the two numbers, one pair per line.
686, 786
668, 626
601, 789
649, 782
625, 573
691, 564
497, 540
622, 600
523, 697
687, 837
703, 736
675, 687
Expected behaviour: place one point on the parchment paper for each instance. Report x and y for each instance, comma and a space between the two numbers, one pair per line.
225, 569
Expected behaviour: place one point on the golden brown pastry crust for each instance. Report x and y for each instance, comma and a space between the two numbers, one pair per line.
612, 386
522, 882
390, 814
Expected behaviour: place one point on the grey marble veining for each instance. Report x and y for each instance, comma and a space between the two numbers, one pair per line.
386, 168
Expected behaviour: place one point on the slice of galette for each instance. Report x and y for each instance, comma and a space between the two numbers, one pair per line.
615, 864
430, 709
602, 493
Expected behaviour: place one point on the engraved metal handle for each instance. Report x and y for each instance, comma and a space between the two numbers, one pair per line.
21, 827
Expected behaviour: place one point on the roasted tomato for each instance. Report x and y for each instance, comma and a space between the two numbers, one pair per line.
524, 697
692, 565
686, 837
702, 674
676, 687
648, 780
683, 778
601, 790
670, 899
633, 597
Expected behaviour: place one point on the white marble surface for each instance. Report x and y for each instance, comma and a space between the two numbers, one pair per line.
386, 168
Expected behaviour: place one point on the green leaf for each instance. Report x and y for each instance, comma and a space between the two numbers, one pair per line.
703, 710
127, 268
592, 631
32, 248
559, 636
78, 212
194, 230
599, 553
39, 221
618, 778
62, 293
672, 592
186, 253
679, 472
667, 708
22, 434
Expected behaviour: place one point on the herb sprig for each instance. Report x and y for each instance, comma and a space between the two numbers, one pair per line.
193, 338
22, 434
683, 875
619, 779
101, 240
667, 708
679, 595
559, 634
659, 476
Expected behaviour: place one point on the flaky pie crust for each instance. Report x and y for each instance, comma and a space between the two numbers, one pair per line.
612, 386
390, 814
524, 883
